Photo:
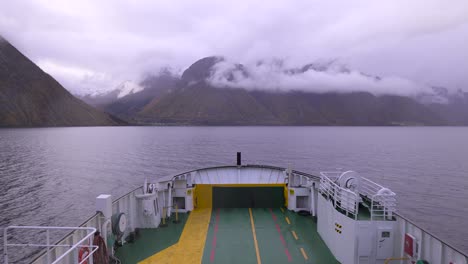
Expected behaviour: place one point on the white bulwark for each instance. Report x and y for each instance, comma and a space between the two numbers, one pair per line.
356, 218
358, 222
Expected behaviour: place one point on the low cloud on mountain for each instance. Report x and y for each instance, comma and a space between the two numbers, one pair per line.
318, 78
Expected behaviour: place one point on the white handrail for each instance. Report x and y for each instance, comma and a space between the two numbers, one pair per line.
74, 247
342, 198
383, 205
382, 200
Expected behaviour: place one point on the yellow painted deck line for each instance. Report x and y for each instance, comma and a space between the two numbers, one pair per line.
294, 235
191, 243
287, 220
282, 210
254, 233
304, 254
163, 256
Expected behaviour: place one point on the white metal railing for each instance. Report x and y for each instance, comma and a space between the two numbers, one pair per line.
332, 175
73, 248
295, 179
125, 203
343, 199
382, 200
435, 250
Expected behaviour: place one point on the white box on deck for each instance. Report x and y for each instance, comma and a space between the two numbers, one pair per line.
104, 205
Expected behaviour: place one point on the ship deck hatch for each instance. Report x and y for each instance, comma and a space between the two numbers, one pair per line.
240, 195
248, 197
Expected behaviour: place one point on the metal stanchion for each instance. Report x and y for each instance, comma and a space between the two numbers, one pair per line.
176, 215
164, 224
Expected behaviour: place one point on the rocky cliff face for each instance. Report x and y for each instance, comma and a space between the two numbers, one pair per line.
31, 97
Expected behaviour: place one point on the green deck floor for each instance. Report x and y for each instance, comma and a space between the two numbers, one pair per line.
230, 238
151, 241
276, 243
234, 242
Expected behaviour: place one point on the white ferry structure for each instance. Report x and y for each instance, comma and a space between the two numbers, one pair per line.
245, 214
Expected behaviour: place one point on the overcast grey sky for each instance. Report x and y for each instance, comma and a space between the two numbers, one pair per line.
93, 45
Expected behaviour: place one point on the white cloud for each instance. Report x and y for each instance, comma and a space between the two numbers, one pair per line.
79, 80
274, 76
128, 87
124, 39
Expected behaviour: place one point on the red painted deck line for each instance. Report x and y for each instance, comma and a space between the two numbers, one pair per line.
213, 242
286, 251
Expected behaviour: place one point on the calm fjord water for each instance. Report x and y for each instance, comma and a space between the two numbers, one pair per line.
50, 176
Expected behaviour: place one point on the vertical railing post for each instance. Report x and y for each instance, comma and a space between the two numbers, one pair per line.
91, 249
334, 196
75, 256
356, 208
48, 246
5, 241
347, 202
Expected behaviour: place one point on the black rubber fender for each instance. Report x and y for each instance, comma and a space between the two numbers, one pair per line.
115, 224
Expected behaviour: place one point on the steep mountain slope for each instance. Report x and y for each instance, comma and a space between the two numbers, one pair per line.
99, 100
30, 97
200, 70
154, 88
102, 99
455, 110
204, 105
196, 101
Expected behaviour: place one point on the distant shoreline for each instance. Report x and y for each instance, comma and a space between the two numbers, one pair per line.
229, 125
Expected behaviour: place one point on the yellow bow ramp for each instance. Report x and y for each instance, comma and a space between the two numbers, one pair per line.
191, 243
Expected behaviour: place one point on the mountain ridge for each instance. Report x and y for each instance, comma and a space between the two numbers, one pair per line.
29, 97
192, 99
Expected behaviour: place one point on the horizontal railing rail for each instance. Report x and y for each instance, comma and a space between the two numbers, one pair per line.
382, 204
73, 248
343, 199
454, 248
127, 194
64, 238
248, 166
